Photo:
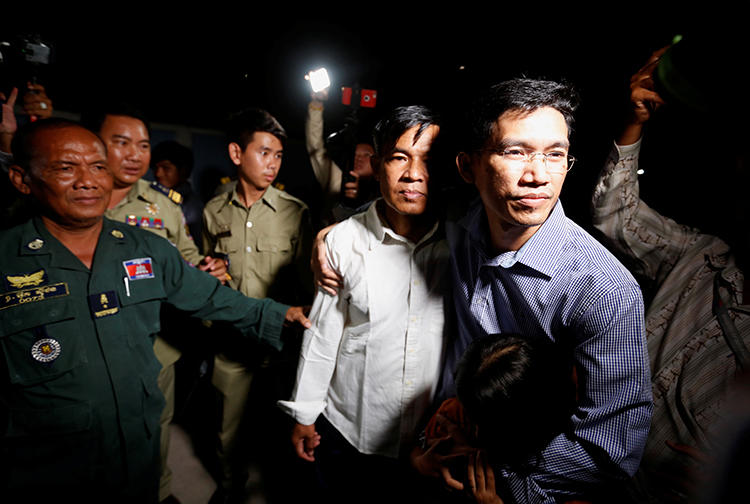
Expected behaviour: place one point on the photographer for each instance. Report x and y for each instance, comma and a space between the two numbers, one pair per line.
343, 191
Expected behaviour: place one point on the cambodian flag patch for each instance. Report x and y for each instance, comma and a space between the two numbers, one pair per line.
138, 269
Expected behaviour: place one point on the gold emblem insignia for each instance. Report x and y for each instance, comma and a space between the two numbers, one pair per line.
46, 350
152, 208
117, 233
30, 280
36, 244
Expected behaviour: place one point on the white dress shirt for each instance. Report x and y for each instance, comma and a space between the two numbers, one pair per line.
371, 360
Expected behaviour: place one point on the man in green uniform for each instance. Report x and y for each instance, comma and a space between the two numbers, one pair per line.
151, 206
265, 234
79, 312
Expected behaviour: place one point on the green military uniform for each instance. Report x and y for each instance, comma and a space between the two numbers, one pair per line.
151, 206
79, 404
268, 248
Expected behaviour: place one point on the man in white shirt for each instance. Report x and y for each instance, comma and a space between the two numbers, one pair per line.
372, 359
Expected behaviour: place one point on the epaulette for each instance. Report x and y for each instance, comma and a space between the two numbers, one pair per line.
169, 193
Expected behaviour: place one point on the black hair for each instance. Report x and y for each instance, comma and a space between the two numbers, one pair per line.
522, 95
93, 118
242, 125
518, 392
178, 154
389, 129
22, 145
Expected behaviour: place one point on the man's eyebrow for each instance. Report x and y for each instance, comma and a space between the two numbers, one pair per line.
399, 151
124, 137
512, 142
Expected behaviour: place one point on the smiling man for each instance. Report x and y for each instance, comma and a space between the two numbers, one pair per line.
371, 361
79, 312
520, 266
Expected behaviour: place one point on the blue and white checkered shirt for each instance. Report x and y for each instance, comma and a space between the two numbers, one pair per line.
564, 285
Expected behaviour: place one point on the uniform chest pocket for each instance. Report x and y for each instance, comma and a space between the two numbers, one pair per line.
275, 252
41, 340
141, 305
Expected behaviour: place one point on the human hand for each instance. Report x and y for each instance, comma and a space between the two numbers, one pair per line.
351, 187
305, 439
435, 462
216, 267
325, 277
481, 479
36, 103
8, 125
297, 314
644, 100
319, 96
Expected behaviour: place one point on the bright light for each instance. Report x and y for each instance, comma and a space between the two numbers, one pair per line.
640, 171
318, 79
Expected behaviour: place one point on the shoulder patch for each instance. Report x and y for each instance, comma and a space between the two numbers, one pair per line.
169, 193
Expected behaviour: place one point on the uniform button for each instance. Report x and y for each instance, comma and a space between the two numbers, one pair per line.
249, 224
249, 249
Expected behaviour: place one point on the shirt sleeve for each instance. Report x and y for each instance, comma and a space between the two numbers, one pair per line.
208, 238
327, 173
610, 426
318, 356
203, 296
651, 242
182, 239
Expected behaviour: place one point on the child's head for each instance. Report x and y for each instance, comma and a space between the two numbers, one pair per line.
518, 392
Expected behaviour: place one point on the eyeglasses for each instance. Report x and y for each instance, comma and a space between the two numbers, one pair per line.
555, 161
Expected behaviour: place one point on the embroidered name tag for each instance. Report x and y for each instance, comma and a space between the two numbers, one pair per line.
24, 296
138, 269
104, 304
21, 280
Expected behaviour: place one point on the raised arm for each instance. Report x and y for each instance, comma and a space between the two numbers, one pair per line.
651, 242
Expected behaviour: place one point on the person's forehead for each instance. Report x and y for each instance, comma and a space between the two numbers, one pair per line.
407, 139
118, 123
55, 142
544, 123
266, 139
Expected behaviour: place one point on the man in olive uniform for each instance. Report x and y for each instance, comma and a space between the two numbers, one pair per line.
265, 234
79, 312
150, 206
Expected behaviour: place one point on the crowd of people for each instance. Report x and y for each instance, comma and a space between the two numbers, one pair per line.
406, 344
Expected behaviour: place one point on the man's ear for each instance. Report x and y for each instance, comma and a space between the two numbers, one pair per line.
463, 162
235, 153
17, 176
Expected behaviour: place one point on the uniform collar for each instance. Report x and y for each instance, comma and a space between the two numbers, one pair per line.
139, 190
270, 198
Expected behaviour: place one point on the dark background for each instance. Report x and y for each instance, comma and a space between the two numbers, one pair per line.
194, 73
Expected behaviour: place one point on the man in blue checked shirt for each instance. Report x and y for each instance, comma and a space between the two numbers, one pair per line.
519, 265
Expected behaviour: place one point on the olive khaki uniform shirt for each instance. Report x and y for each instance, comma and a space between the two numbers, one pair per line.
268, 251
79, 403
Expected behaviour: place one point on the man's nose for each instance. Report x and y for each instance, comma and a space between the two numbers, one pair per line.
535, 171
416, 169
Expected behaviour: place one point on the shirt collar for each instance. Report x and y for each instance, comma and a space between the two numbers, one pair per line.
270, 198
540, 252
379, 231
